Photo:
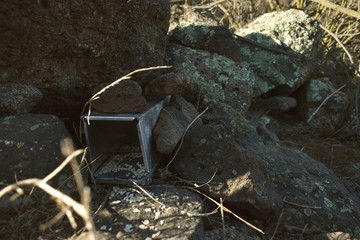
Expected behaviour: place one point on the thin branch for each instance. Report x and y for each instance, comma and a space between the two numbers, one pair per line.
222, 217
183, 136
210, 5
277, 224
229, 211
325, 100
300, 205
340, 43
302, 233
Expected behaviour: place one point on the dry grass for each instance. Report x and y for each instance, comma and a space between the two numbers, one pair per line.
25, 224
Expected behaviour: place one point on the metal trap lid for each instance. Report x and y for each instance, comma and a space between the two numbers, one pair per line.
121, 146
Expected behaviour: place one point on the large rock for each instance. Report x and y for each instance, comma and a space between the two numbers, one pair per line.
313, 194
18, 98
240, 177
133, 214
29, 145
291, 30
65, 48
214, 78
260, 179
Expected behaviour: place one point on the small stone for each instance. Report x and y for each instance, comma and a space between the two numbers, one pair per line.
129, 228
142, 227
124, 97
167, 84
172, 123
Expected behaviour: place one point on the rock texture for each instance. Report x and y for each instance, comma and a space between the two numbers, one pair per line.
67, 48
124, 97
167, 84
240, 177
277, 104
327, 205
18, 98
214, 39
172, 123
29, 145
214, 77
291, 30
140, 217
254, 179
312, 94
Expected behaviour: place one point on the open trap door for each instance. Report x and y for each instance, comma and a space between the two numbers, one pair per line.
121, 146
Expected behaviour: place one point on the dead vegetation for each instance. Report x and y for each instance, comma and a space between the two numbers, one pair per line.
40, 216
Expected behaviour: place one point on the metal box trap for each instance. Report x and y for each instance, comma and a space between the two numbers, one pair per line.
121, 146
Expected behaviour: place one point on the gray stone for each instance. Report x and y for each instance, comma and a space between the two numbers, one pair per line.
326, 204
312, 94
67, 48
254, 177
291, 30
139, 217
18, 98
214, 77
172, 123
29, 146
211, 155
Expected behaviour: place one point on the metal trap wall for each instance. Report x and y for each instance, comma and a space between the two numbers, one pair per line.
121, 146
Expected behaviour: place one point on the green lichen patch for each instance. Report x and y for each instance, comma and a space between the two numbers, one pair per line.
214, 78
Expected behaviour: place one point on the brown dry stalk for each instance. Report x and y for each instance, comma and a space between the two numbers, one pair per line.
340, 43
228, 210
183, 136
66, 202
338, 8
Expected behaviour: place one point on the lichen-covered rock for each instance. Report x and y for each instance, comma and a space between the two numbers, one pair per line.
29, 146
134, 215
66, 48
290, 30
312, 94
172, 123
326, 204
214, 77
213, 39
238, 176
18, 98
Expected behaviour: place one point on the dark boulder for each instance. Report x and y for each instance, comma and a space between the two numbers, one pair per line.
66, 48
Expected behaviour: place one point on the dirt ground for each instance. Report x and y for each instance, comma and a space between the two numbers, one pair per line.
335, 152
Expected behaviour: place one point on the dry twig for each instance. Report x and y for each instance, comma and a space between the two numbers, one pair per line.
325, 100
67, 203
183, 136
